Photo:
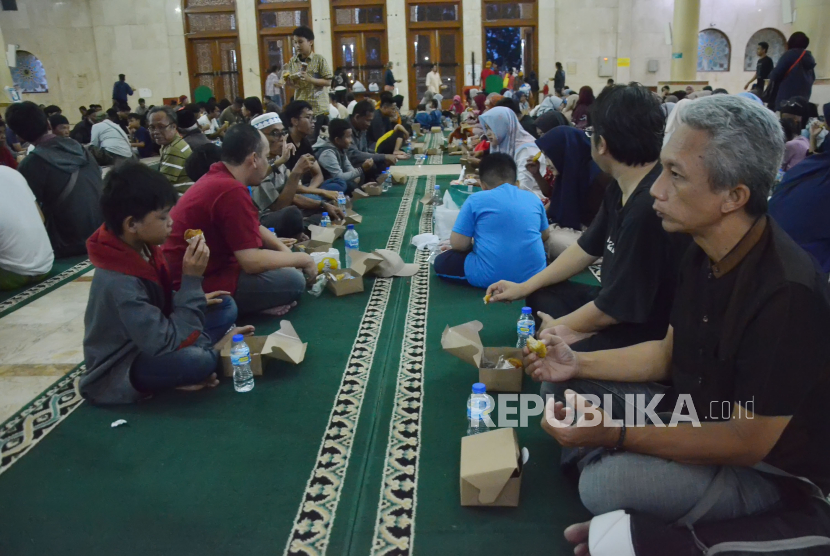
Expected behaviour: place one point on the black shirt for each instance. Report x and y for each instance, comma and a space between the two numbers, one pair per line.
639, 258
762, 70
303, 148
752, 329
381, 125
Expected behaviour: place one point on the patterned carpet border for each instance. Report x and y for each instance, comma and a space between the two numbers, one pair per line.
311, 531
21, 432
29, 295
395, 522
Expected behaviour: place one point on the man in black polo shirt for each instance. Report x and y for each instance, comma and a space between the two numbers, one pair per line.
298, 116
639, 259
763, 68
746, 356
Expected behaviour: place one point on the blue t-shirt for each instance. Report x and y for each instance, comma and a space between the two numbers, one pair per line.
143, 136
506, 224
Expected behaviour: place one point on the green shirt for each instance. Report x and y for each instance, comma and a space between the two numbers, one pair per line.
173, 157
318, 68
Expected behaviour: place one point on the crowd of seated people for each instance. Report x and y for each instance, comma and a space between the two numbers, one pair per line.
712, 272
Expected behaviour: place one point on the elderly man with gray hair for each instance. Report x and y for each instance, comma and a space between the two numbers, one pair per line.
162, 124
721, 426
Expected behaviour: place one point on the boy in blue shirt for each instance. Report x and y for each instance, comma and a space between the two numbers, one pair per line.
499, 232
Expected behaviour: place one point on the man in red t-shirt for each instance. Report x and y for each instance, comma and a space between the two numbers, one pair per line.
247, 260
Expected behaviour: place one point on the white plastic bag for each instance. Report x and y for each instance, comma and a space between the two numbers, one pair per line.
444, 217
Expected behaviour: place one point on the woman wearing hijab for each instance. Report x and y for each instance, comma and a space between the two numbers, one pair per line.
479, 100
491, 101
583, 107
569, 106
801, 204
457, 106
549, 104
578, 188
506, 135
795, 72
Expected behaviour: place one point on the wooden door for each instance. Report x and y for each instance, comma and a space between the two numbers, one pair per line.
216, 65
361, 55
441, 46
278, 52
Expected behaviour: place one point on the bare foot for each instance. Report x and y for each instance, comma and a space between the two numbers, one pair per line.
210, 382
578, 533
359, 194
279, 311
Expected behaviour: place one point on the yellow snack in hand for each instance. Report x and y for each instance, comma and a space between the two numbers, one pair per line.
487, 299
516, 362
537, 347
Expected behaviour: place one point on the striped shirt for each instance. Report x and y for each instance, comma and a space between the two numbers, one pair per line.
173, 157
318, 68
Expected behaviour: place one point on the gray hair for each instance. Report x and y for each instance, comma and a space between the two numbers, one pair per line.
167, 110
746, 146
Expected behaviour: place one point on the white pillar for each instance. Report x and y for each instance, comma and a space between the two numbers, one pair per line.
685, 28
396, 37
546, 35
246, 23
321, 14
471, 30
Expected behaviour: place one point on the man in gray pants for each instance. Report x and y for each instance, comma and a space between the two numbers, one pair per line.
745, 356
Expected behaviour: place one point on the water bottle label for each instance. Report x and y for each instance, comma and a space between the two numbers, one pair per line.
353, 244
525, 329
237, 360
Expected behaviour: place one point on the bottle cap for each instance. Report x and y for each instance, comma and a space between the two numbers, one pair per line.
238, 337
527, 311
350, 226
479, 388
325, 214
271, 230
438, 187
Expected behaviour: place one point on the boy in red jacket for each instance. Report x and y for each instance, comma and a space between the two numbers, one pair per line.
141, 337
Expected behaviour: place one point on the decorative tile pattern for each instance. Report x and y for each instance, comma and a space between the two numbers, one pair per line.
713, 51
395, 523
23, 431
312, 525
29, 75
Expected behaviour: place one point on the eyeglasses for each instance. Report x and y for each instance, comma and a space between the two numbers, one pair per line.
277, 133
589, 131
159, 127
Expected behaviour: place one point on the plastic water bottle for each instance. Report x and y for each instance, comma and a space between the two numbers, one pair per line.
352, 243
387, 183
408, 148
243, 377
341, 202
526, 327
436, 197
478, 406
325, 221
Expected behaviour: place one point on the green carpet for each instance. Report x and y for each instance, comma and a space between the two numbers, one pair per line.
337, 455
63, 271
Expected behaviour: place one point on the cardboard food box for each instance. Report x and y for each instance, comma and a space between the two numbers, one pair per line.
372, 190
398, 177
352, 217
283, 344
327, 234
362, 264
416, 127
432, 152
313, 246
344, 287
436, 129
417, 149
491, 469
464, 342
